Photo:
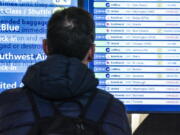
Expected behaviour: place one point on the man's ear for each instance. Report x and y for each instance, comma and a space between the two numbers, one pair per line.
45, 47
91, 53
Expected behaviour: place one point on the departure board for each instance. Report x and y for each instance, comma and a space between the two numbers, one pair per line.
137, 55
22, 29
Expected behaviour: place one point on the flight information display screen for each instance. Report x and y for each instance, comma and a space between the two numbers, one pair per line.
22, 29
137, 55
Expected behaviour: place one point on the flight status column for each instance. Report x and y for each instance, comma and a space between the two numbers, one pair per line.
138, 50
22, 29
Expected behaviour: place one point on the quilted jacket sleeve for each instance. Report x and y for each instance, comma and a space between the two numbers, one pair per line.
116, 122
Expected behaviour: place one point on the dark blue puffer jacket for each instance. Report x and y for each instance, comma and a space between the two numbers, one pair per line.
56, 78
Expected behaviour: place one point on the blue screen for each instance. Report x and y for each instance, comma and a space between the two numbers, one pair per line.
137, 55
22, 29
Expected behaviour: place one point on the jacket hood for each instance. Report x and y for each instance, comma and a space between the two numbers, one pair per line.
60, 77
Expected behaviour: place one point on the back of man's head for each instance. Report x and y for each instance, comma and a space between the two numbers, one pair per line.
71, 32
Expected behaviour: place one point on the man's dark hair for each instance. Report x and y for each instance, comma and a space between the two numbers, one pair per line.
71, 32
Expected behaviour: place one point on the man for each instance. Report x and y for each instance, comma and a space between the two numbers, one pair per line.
63, 75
